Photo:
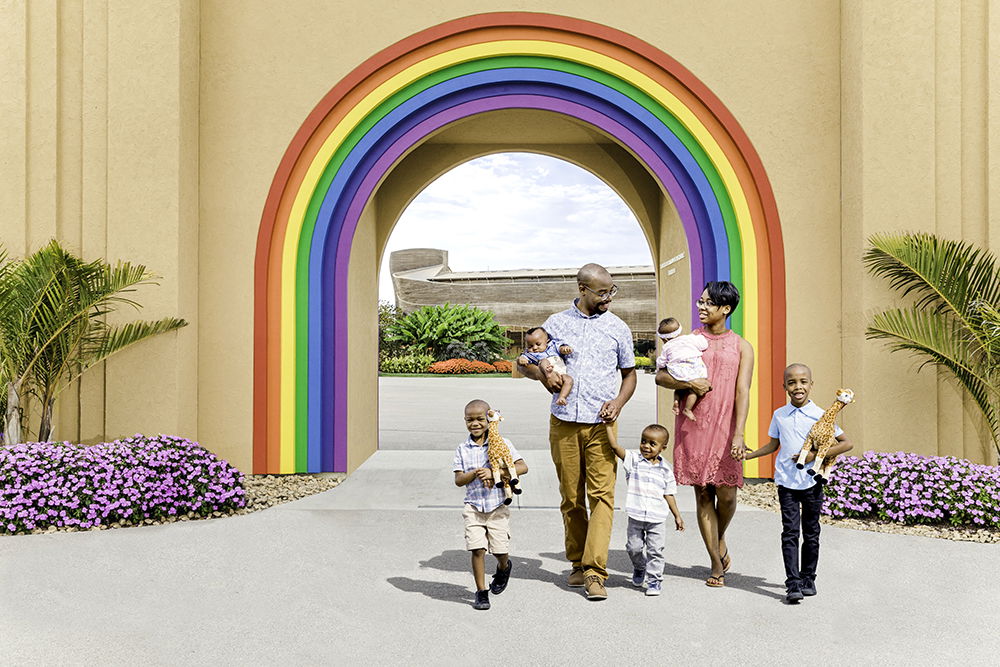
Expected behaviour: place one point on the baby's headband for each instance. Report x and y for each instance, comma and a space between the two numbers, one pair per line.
672, 334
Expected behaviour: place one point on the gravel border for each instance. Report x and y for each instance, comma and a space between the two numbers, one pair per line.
764, 495
265, 491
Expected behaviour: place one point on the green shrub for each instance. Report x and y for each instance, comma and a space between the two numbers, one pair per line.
410, 363
643, 362
433, 328
477, 351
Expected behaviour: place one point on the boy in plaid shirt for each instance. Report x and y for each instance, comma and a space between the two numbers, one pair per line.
487, 518
651, 490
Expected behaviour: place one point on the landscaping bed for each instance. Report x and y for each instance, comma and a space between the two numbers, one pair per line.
930, 496
51, 487
444, 375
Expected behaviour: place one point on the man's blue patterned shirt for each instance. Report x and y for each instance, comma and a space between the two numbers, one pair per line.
602, 345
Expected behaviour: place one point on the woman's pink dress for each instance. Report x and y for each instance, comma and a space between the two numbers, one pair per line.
702, 448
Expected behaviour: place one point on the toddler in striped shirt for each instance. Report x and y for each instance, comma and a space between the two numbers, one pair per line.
651, 490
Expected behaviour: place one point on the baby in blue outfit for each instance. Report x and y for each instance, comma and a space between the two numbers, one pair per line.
548, 355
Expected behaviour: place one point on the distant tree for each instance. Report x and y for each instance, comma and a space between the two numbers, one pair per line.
388, 315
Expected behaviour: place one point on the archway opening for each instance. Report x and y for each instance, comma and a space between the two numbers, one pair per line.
505, 232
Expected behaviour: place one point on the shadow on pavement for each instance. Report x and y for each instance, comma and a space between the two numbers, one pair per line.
524, 568
437, 590
455, 560
620, 563
458, 561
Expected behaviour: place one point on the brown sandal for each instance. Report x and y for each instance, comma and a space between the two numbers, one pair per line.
716, 581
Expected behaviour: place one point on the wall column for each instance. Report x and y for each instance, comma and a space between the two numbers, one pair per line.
152, 206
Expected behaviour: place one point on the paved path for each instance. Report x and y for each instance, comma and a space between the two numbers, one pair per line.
374, 571
426, 413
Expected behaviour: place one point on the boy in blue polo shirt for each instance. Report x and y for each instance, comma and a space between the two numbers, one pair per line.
651, 491
800, 497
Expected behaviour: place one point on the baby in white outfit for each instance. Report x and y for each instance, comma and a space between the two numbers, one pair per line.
681, 356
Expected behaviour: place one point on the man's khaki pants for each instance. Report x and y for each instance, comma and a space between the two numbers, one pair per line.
586, 467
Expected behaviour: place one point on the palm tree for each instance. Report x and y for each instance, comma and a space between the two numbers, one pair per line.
954, 321
53, 328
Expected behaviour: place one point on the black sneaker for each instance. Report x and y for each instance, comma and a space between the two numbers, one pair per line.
482, 600
793, 595
500, 579
808, 588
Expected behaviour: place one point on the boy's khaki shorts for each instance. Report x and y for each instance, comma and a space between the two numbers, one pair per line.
487, 529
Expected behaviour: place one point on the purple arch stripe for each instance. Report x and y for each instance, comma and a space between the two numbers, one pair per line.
336, 320
320, 421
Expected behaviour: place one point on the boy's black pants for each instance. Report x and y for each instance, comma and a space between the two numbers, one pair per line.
810, 501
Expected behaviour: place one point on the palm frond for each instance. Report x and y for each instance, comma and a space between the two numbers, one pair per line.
942, 274
115, 339
945, 343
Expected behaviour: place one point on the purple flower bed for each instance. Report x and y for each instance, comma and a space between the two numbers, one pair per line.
127, 481
913, 489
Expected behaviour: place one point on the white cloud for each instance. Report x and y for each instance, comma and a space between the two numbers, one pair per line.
517, 211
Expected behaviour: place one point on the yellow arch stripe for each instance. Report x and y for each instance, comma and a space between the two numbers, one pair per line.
464, 54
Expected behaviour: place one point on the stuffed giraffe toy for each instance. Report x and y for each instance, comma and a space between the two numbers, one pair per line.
498, 453
821, 438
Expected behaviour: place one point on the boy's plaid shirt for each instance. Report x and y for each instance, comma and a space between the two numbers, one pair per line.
468, 457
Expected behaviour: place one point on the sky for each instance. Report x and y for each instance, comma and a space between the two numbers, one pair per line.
518, 211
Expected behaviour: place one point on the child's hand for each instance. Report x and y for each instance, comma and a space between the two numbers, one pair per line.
523, 360
679, 523
485, 476
677, 407
565, 350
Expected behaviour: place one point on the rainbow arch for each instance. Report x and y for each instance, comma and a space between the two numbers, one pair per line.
608, 79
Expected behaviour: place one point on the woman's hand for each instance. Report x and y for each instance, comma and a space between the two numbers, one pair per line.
739, 448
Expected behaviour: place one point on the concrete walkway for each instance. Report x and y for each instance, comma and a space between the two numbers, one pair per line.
374, 571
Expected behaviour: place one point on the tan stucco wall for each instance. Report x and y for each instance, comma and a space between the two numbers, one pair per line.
151, 132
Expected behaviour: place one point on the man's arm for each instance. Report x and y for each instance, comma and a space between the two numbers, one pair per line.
699, 386
611, 409
552, 381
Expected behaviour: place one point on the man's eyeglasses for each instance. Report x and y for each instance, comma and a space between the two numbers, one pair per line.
606, 294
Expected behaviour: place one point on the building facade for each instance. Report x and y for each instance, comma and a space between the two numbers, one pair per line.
520, 298
257, 156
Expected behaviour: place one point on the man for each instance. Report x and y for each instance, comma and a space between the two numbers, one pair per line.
602, 364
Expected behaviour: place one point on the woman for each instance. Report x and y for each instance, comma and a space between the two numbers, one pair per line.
709, 451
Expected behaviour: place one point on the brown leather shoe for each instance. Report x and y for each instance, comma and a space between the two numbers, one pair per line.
576, 578
595, 588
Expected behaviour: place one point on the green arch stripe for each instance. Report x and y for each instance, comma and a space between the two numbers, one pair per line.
498, 62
